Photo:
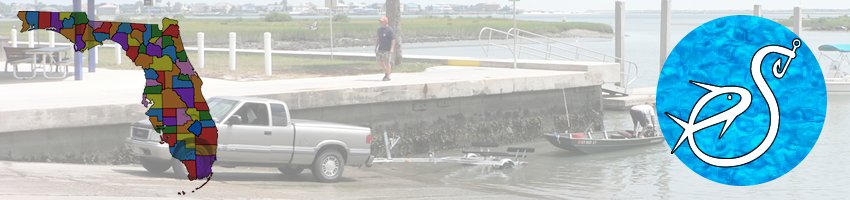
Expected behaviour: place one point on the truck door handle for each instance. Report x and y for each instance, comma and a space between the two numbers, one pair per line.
268, 133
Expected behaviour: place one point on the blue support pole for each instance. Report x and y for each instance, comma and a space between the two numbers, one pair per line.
92, 52
78, 57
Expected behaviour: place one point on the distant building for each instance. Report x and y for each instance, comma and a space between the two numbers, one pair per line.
276, 8
249, 8
108, 9
178, 7
342, 8
379, 7
49, 9
16, 7
411, 8
492, 6
323, 10
200, 8
303, 8
130, 9
443, 8
221, 8
157, 8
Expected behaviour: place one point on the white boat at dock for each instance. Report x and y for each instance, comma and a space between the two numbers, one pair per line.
837, 80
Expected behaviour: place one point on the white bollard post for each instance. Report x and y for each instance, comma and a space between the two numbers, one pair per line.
232, 50
52, 39
118, 57
620, 36
757, 10
96, 55
268, 44
14, 37
201, 50
666, 16
31, 38
798, 20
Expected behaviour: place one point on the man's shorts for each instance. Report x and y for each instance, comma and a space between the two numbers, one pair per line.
639, 118
384, 56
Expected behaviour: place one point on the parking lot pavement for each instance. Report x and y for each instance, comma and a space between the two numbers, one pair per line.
27, 180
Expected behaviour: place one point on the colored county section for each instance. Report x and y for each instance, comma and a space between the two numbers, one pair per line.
172, 92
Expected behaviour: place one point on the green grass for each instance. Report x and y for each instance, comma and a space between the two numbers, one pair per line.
251, 30
283, 67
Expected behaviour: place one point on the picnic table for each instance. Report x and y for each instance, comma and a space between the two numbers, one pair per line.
50, 56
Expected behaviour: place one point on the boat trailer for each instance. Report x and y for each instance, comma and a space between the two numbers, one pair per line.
482, 157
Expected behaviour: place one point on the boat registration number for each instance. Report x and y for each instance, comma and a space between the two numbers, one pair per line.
591, 142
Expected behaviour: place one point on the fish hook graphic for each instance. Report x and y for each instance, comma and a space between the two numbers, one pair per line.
730, 114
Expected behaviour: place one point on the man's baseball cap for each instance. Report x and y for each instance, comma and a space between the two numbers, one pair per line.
384, 19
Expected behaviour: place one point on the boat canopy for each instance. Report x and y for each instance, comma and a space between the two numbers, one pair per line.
835, 47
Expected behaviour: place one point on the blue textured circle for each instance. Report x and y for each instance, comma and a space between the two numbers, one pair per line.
719, 53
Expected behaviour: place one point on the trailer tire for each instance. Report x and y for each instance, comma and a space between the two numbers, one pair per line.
507, 165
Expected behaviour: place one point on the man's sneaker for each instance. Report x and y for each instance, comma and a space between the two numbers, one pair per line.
386, 78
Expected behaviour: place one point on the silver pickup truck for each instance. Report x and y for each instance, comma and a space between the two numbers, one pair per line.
259, 132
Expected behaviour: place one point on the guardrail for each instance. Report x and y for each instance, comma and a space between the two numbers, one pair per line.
488, 37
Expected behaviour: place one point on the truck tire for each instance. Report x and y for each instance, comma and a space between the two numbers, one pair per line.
328, 166
154, 166
290, 171
179, 169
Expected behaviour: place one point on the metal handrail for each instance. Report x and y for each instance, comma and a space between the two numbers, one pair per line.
547, 53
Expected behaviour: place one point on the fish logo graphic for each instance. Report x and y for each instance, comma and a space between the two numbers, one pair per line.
728, 116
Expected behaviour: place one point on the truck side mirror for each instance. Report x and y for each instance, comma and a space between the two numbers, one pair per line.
235, 119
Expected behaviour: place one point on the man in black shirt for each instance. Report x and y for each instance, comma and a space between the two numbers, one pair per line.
385, 47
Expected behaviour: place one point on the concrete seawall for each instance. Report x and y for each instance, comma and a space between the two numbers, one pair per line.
444, 107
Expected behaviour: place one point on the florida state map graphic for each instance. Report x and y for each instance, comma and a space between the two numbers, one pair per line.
172, 91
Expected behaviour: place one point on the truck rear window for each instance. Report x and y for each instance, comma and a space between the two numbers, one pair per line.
279, 115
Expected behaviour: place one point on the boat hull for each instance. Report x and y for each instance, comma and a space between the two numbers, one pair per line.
590, 146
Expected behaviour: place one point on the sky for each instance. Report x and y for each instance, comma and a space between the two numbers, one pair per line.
555, 5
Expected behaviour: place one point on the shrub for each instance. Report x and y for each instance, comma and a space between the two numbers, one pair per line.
277, 17
340, 18
179, 16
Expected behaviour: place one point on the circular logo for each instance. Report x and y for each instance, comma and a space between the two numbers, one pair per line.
741, 100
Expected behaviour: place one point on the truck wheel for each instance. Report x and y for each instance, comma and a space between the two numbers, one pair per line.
328, 166
154, 166
179, 169
290, 172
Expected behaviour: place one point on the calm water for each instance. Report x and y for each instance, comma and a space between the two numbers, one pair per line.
653, 173
642, 42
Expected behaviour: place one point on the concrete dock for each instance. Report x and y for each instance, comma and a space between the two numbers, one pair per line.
116, 94
643, 95
443, 107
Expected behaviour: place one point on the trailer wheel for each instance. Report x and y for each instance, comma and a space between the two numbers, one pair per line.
507, 165
328, 166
